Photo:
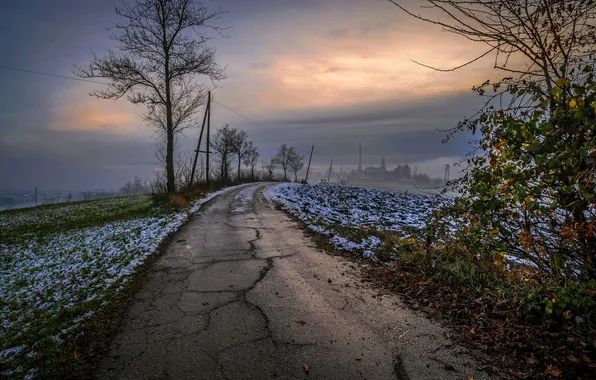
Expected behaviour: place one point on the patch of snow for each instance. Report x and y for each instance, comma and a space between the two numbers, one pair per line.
81, 268
244, 198
30, 374
323, 208
4, 354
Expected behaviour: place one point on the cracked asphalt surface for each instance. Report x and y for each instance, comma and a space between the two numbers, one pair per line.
242, 293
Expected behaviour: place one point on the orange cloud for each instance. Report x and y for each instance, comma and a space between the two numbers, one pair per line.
77, 111
343, 74
353, 56
95, 117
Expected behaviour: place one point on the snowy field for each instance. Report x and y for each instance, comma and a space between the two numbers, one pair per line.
326, 208
62, 263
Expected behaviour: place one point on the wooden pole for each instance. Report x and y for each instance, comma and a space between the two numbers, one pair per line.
194, 165
208, 133
309, 160
35, 195
360, 158
329, 175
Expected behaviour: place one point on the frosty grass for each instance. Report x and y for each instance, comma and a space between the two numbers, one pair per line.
61, 264
325, 207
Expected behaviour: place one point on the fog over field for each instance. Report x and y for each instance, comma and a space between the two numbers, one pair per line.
333, 74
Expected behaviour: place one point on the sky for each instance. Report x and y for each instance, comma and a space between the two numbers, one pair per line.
333, 73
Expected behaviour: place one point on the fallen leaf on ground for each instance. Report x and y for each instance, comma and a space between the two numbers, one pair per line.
553, 371
305, 368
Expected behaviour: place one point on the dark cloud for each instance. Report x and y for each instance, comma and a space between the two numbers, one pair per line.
260, 65
61, 160
440, 112
401, 133
52, 36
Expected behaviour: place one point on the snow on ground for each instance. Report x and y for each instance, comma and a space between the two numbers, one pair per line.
324, 207
50, 284
245, 196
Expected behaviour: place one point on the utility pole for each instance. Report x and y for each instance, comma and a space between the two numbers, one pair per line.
360, 158
329, 175
194, 165
35, 195
208, 132
446, 179
309, 160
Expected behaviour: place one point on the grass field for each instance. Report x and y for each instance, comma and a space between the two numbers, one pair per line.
61, 265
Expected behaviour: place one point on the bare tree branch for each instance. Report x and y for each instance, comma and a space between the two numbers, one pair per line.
160, 53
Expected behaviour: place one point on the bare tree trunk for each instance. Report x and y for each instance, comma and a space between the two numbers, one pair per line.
223, 165
171, 180
149, 34
170, 163
239, 159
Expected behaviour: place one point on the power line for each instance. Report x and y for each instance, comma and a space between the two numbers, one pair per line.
239, 114
106, 84
50, 75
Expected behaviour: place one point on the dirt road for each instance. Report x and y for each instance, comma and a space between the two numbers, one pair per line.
241, 293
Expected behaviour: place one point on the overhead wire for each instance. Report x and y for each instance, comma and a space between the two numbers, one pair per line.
239, 114
50, 75
106, 84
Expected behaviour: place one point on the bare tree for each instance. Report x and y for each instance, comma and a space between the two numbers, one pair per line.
553, 37
251, 158
161, 48
295, 161
222, 144
282, 158
182, 166
137, 186
239, 147
270, 166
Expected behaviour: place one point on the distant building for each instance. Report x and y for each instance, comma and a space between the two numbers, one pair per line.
374, 172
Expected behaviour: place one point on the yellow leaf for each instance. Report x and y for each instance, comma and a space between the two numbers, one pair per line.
562, 82
573, 103
525, 144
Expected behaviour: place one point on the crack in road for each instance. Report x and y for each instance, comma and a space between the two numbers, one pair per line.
224, 299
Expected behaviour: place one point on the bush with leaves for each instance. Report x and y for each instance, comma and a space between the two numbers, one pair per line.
530, 197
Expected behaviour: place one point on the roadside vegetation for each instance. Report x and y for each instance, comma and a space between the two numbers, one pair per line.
511, 261
496, 305
66, 270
